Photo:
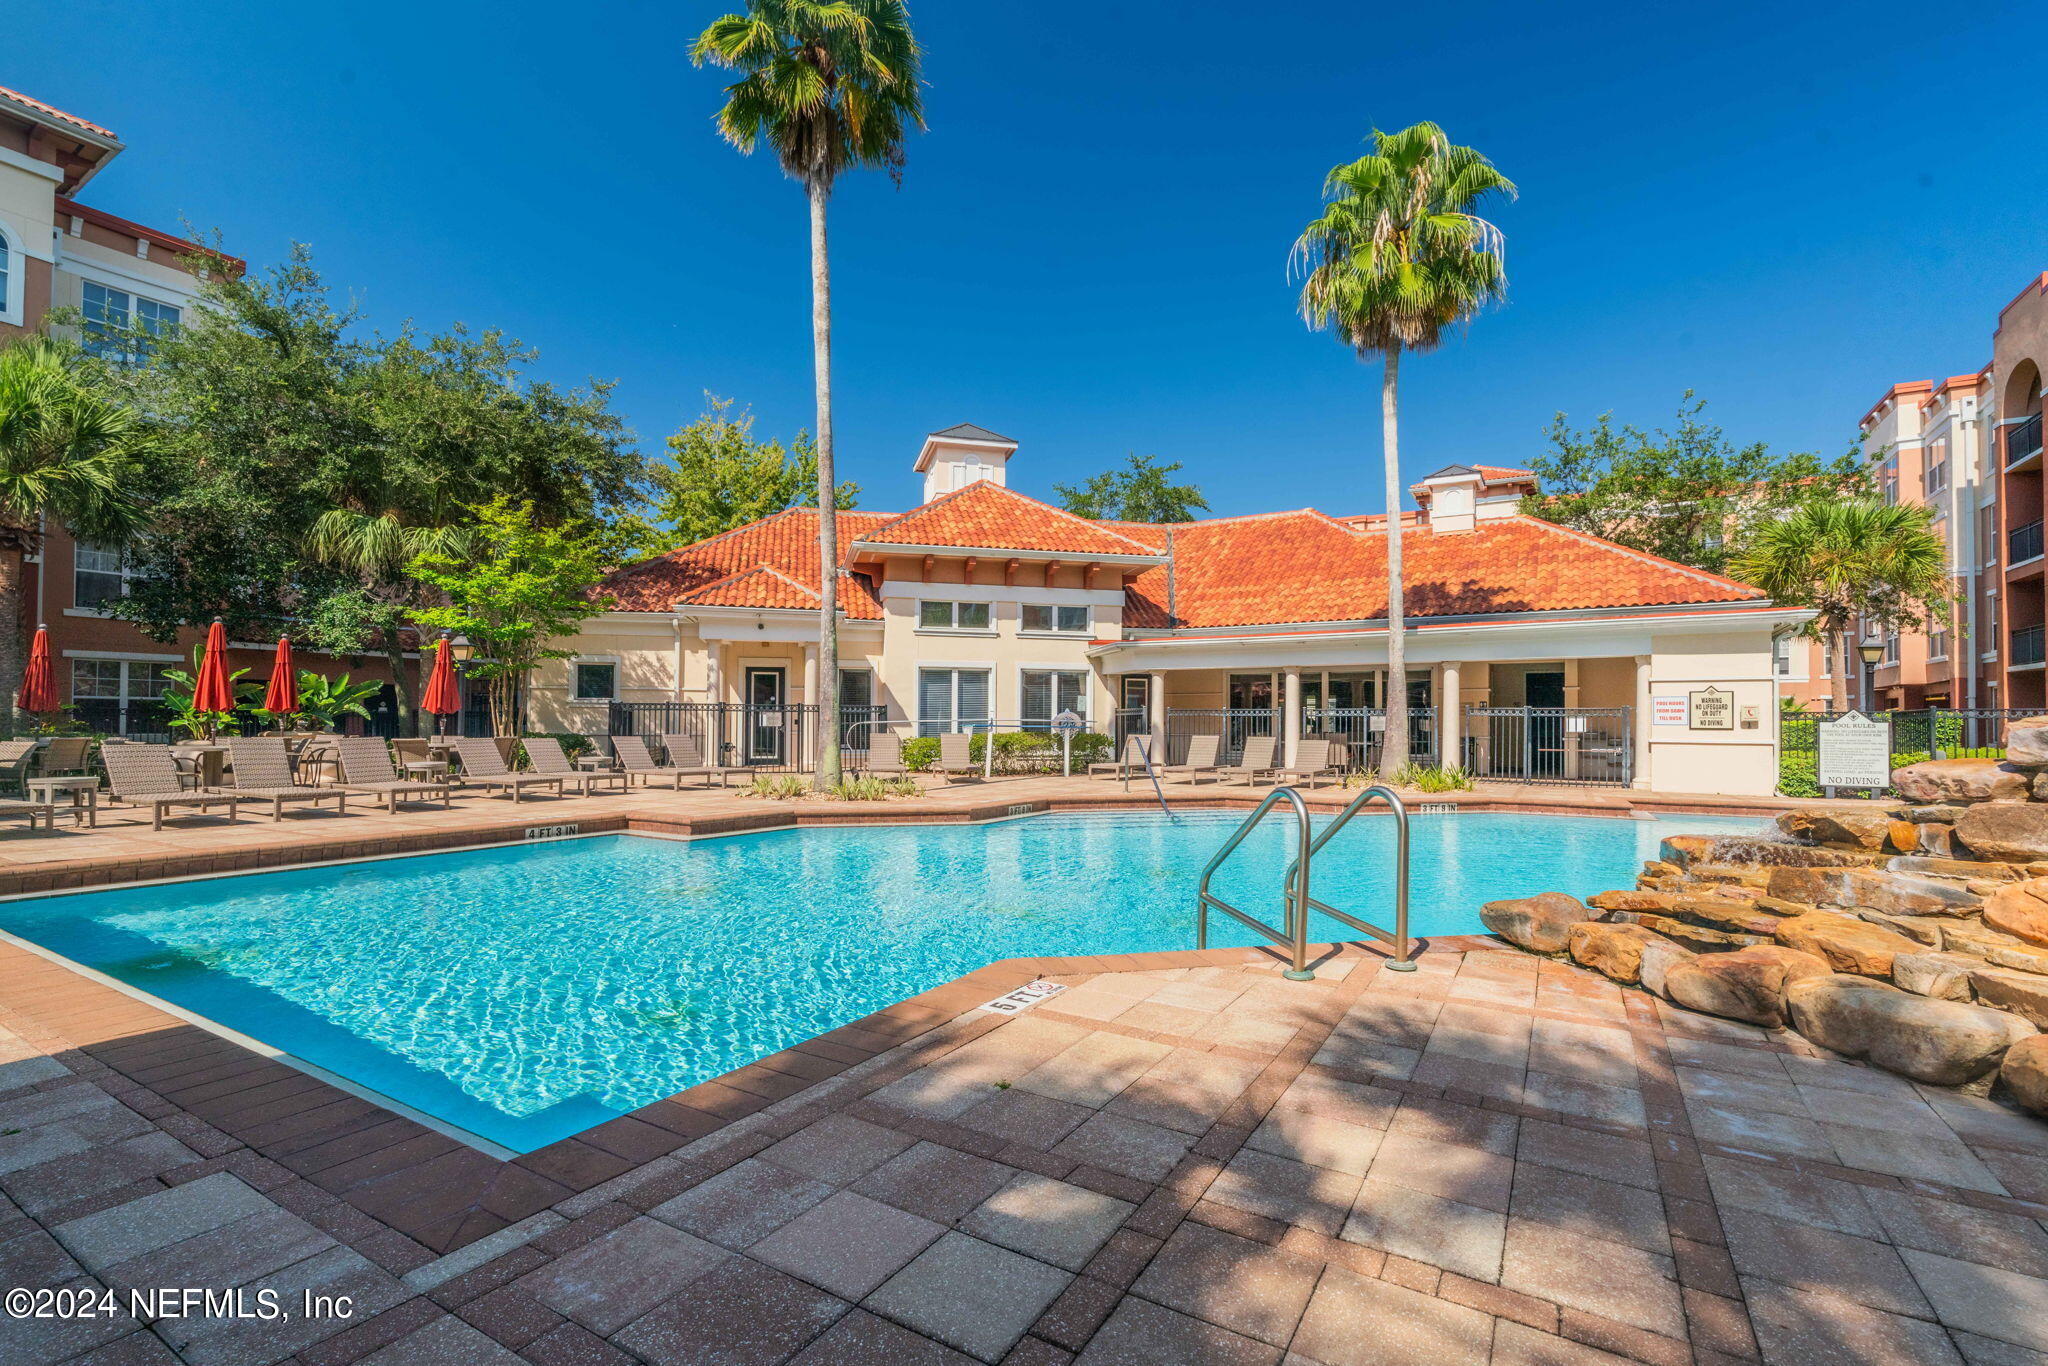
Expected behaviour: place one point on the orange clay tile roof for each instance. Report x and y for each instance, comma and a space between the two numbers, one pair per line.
57, 113
987, 516
725, 571
1287, 567
1502, 474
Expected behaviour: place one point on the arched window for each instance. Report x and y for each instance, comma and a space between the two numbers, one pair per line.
10, 271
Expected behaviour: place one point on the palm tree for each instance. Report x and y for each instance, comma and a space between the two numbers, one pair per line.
66, 451
830, 85
1395, 261
1850, 560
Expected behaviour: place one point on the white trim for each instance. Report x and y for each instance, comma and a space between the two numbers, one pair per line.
133, 655
1072, 559
1088, 676
612, 660
131, 282
14, 286
1002, 592
21, 161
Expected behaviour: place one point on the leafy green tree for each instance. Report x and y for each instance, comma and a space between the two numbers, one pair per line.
519, 585
723, 476
1688, 494
1138, 493
1851, 560
830, 85
67, 452
298, 464
1395, 262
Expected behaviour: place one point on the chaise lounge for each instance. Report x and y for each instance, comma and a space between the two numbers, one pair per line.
366, 768
263, 773
483, 766
686, 754
147, 775
545, 755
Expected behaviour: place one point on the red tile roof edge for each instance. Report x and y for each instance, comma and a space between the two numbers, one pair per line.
764, 568
54, 112
1749, 591
924, 509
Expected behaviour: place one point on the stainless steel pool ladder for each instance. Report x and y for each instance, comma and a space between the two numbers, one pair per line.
1294, 885
1144, 748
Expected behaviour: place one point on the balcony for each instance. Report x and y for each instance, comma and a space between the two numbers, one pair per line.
2023, 543
2023, 441
2029, 646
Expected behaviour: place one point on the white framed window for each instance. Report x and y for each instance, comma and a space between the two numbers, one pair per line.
1781, 656
13, 279
1048, 692
933, 615
1039, 616
98, 575
120, 696
951, 699
116, 320
595, 680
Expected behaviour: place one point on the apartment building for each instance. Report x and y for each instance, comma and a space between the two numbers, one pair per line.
60, 254
2019, 356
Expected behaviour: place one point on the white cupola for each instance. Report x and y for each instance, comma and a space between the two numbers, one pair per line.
958, 456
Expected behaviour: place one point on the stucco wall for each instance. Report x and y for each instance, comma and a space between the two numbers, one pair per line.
1736, 762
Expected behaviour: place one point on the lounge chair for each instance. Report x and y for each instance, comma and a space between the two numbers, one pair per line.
63, 755
686, 752
31, 812
147, 775
483, 766
545, 754
1312, 761
1256, 759
15, 758
956, 755
366, 767
263, 773
1201, 760
885, 755
1133, 757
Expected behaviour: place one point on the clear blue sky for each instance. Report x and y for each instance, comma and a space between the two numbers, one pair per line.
1784, 207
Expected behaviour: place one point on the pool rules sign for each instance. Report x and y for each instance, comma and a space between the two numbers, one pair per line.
1854, 751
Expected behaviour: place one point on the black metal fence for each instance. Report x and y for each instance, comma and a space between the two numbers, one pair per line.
1592, 745
1233, 725
1927, 733
772, 739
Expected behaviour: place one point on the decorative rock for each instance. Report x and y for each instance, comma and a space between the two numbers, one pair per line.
1944, 976
1967, 936
2013, 834
1536, 923
1612, 950
1659, 957
1846, 826
1698, 938
2025, 994
1849, 945
1630, 901
1924, 929
2041, 786
1682, 850
1934, 815
2020, 958
1904, 835
1894, 893
1941, 866
1943, 1043
1758, 851
1659, 868
1731, 873
1962, 780
1748, 984
2021, 909
1716, 913
2025, 1073
2026, 742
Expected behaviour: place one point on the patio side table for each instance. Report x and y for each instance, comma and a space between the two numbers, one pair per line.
85, 796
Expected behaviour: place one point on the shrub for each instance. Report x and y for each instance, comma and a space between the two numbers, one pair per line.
1016, 751
872, 788
1433, 778
778, 786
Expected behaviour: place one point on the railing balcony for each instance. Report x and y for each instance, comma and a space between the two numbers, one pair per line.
2023, 543
2022, 439
2029, 646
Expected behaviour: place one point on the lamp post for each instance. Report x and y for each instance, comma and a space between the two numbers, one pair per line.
1872, 652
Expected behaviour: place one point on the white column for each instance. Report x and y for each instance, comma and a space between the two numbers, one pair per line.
1642, 722
1290, 714
714, 677
1155, 697
810, 675
1450, 712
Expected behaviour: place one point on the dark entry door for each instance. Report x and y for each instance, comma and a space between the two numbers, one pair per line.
767, 718
1546, 727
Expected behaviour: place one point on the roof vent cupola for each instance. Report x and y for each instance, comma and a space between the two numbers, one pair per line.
1459, 497
961, 455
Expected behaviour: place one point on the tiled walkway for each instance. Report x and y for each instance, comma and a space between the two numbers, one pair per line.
1492, 1159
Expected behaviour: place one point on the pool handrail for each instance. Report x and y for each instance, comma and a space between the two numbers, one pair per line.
1294, 937
1401, 962
1143, 744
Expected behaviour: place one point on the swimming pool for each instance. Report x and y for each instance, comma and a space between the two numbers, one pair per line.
524, 993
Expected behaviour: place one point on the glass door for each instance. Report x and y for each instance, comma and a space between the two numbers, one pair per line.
767, 720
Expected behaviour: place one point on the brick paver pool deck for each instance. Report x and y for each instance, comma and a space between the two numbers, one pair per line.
1183, 1158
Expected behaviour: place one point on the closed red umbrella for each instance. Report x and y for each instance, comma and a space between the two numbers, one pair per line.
38, 687
443, 697
281, 698
212, 692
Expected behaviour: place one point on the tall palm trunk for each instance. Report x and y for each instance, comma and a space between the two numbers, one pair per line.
827, 699
404, 685
13, 655
1838, 651
1394, 748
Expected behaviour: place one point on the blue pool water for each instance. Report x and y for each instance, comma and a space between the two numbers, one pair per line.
526, 993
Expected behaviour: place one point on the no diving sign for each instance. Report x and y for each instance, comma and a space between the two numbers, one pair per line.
1023, 998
